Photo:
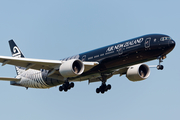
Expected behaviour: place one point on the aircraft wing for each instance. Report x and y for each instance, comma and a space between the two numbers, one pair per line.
9, 79
39, 63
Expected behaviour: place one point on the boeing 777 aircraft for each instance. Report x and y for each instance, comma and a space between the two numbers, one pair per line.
123, 58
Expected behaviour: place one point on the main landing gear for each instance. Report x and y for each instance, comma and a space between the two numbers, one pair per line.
66, 86
103, 88
160, 67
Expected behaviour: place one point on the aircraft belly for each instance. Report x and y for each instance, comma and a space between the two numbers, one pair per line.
87, 77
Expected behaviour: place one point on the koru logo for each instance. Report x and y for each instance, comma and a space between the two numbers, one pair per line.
16, 52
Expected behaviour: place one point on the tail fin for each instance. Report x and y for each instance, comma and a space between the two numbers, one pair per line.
16, 52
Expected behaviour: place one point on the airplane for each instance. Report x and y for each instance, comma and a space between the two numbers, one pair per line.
123, 58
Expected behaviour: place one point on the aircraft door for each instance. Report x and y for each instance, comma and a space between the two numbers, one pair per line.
120, 51
147, 42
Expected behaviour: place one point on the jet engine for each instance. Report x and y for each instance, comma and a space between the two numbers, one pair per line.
71, 68
138, 72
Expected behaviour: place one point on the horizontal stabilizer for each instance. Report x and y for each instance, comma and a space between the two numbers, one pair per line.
9, 79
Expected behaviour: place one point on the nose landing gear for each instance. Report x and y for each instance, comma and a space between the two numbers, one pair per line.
161, 67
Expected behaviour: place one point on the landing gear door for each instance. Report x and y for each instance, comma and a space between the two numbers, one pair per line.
147, 42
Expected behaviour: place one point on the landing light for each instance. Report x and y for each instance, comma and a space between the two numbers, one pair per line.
164, 57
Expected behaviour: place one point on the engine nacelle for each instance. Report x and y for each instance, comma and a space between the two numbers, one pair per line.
71, 68
138, 72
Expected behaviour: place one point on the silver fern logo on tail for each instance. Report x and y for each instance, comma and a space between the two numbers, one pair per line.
16, 52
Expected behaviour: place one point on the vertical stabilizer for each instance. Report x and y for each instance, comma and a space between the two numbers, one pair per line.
16, 52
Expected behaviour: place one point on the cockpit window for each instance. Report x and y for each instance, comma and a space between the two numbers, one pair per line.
165, 38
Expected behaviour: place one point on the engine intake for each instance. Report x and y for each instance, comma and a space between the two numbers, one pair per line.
138, 72
71, 68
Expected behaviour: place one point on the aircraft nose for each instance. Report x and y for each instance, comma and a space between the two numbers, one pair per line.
172, 43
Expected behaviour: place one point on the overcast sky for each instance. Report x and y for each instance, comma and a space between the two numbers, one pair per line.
56, 29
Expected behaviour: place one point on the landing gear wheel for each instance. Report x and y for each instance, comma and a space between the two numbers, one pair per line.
103, 88
102, 91
160, 67
61, 88
72, 84
97, 90
108, 86
66, 86
65, 89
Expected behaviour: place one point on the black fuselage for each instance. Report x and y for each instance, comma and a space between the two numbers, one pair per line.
130, 52
122, 54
